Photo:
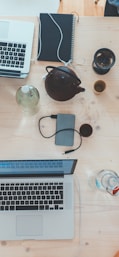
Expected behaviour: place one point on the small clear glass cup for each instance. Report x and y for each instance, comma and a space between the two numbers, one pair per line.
107, 180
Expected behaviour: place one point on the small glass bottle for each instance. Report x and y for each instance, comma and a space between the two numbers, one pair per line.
28, 97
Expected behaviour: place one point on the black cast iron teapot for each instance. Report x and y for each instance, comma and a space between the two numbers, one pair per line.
61, 83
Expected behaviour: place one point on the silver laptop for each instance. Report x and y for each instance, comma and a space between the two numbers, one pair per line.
16, 39
37, 199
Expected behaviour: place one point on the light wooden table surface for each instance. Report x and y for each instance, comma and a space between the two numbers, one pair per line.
83, 7
96, 213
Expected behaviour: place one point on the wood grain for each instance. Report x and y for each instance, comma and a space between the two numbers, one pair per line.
83, 7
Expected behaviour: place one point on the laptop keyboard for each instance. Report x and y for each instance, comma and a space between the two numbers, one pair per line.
12, 54
31, 196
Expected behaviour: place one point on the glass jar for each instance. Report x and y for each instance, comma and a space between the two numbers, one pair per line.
27, 97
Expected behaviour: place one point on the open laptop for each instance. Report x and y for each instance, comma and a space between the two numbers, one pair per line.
27, 7
16, 39
37, 199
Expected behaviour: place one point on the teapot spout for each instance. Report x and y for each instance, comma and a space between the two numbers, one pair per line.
80, 89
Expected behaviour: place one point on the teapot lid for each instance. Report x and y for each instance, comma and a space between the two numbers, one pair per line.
64, 69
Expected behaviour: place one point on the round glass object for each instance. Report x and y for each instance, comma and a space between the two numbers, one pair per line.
107, 180
28, 97
104, 59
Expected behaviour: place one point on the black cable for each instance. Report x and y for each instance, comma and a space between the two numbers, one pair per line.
53, 116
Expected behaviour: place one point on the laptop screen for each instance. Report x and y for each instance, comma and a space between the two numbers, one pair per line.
13, 168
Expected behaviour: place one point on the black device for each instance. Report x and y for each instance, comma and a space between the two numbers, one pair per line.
65, 128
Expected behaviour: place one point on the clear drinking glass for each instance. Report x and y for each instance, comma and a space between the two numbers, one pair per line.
107, 180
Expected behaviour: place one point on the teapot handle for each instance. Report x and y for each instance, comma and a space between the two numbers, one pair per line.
57, 68
50, 67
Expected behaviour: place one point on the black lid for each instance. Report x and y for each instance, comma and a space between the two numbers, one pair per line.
86, 130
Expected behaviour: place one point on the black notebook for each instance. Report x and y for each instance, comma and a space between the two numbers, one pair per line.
50, 35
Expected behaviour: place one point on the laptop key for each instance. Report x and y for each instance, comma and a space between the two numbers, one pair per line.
1, 208
12, 208
26, 207
46, 207
41, 207
58, 201
3, 43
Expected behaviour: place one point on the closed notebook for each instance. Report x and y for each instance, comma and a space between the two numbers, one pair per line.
51, 31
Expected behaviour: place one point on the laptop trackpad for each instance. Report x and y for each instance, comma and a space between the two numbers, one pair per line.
29, 225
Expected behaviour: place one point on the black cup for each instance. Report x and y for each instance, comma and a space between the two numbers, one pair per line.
99, 86
103, 61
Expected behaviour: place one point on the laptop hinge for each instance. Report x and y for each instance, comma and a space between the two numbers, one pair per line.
29, 176
10, 73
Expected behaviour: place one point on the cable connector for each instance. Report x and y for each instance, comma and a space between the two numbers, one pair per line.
69, 151
53, 116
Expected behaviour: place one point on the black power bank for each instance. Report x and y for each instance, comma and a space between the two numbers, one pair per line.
65, 122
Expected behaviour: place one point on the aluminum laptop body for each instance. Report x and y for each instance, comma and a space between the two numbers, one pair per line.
45, 222
16, 39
